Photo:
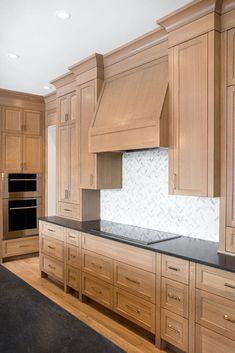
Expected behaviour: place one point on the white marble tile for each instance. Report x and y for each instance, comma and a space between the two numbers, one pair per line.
144, 201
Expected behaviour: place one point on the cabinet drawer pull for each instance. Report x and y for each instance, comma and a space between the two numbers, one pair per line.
72, 278
173, 268
51, 247
51, 230
97, 266
227, 318
91, 179
132, 280
52, 267
24, 246
73, 256
72, 237
173, 296
173, 328
229, 285
66, 117
132, 308
67, 210
96, 290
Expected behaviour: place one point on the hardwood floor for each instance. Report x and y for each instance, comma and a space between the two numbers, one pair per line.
124, 337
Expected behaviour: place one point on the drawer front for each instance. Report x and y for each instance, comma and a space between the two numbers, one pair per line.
131, 255
135, 309
175, 297
73, 277
174, 329
97, 265
53, 248
73, 237
53, 267
216, 313
176, 269
73, 256
208, 341
216, 281
51, 230
69, 210
134, 280
20, 246
97, 290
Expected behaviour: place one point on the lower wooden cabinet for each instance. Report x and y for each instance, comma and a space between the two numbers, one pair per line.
174, 329
20, 246
98, 266
208, 341
52, 267
73, 276
140, 311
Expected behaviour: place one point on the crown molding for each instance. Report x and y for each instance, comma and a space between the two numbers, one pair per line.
93, 61
63, 80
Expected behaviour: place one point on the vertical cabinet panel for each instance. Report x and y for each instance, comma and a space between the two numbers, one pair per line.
11, 119
73, 106
88, 160
189, 72
73, 164
231, 57
231, 157
63, 162
11, 152
32, 154
32, 122
63, 108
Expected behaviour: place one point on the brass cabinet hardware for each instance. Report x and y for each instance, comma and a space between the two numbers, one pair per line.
97, 266
72, 277
51, 230
73, 256
91, 179
52, 267
96, 290
132, 308
51, 247
174, 181
132, 280
173, 268
173, 296
72, 237
24, 246
173, 328
67, 210
227, 318
66, 117
229, 285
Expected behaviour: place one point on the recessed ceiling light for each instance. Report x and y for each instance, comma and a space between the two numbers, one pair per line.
63, 15
13, 56
47, 87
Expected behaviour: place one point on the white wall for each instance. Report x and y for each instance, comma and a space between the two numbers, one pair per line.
144, 200
51, 170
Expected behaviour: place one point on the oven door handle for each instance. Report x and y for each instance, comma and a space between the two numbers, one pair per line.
22, 208
22, 179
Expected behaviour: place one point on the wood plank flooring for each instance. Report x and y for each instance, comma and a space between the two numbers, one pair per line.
124, 337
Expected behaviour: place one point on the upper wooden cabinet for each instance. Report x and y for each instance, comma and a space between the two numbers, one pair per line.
231, 57
194, 84
19, 120
67, 107
32, 154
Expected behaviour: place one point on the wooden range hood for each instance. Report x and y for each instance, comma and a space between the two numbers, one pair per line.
132, 111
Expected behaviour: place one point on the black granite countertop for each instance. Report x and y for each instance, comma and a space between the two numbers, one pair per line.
196, 250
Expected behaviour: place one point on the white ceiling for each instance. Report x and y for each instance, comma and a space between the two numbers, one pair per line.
48, 45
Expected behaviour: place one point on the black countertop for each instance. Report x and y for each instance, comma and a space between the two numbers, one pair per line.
192, 249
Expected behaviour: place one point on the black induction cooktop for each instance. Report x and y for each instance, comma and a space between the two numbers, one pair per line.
134, 234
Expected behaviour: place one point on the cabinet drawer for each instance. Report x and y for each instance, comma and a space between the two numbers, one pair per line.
216, 281
68, 210
73, 277
73, 256
97, 290
135, 309
131, 255
20, 246
175, 297
52, 230
216, 313
73, 237
53, 267
174, 329
53, 248
208, 341
97, 265
176, 269
136, 281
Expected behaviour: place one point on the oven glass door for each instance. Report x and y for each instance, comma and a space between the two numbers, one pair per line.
22, 183
21, 217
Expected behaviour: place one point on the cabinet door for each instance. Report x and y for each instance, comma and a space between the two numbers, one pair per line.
63, 162
32, 122
231, 157
73, 164
11, 153
63, 108
73, 106
87, 102
32, 154
231, 57
11, 119
188, 152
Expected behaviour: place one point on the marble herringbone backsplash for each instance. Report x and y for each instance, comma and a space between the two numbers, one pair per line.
144, 201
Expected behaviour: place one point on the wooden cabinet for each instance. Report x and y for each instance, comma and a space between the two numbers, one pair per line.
68, 164
32, 154
211, 342
67, 107
98, 171
231, 57
21, 246
12, 119
194, 146
32, 122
